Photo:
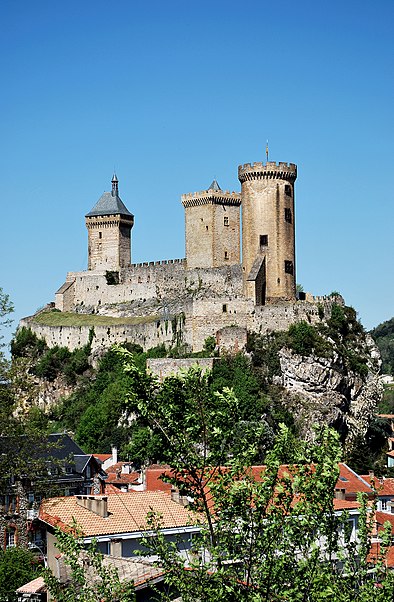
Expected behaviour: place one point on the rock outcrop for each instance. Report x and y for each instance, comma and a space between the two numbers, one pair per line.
325, 390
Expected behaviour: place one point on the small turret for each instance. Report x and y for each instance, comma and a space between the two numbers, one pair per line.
115, 190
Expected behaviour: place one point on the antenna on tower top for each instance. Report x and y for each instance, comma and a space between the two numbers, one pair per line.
266, 150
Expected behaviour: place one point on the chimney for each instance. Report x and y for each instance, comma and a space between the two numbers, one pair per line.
114, 455
340, 494
371, 474
94, 503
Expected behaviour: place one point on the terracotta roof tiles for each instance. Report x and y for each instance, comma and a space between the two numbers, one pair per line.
126, 513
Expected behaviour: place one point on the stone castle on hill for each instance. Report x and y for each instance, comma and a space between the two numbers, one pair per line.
222, 288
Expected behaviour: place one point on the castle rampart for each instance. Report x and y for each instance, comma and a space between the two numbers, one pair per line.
268, 170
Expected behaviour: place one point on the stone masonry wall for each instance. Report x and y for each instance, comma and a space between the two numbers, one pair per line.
158, 283
198, 319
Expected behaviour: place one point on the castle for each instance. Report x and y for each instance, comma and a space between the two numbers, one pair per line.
222, 288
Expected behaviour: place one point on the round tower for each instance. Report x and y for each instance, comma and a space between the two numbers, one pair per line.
268, 231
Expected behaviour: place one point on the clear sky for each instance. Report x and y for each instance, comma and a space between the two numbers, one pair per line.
173, 94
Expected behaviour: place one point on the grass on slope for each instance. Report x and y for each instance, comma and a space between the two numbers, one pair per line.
58, 318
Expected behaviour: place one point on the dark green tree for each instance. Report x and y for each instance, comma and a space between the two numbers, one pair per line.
17, 567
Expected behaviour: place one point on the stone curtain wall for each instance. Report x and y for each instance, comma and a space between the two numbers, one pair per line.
200, 319
158, 282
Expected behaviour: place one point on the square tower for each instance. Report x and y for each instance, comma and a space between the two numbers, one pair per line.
212, 227
109, 226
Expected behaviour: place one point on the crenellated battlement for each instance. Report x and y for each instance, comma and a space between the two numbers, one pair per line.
268, 170
211, 197
147, 264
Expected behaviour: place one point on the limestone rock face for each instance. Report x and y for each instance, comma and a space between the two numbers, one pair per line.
324, 391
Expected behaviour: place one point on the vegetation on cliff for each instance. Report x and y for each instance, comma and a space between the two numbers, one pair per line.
99, 415
383, 335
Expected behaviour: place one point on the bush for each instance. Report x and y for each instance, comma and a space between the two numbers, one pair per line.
27, 344
302, 338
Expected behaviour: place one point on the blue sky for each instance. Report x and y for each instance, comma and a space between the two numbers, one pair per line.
173, 94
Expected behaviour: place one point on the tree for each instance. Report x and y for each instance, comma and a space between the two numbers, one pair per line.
6, 308
90, 579
17, 567
268, 536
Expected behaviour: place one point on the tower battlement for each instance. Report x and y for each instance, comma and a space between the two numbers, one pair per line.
268, 170
211, 197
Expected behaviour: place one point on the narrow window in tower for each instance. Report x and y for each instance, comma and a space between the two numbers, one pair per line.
288, 189
263, 240
289, 267
288, 217
206, 227
225, 255
100, 235
224, 308
225, 221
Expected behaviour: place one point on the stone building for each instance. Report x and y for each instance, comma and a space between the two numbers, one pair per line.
221, 286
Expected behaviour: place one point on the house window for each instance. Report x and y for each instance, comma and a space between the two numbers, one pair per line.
384, 504
224, 308
287, 190
263, 240
288, 216
11, 538
289, 269
225, 221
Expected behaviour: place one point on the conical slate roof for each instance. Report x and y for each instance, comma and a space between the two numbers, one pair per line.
110, 203
214, 186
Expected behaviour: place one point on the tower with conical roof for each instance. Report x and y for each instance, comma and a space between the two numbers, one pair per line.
268, 233
212, 227
109, 226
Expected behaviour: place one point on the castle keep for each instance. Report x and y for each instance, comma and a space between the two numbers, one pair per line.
222, 288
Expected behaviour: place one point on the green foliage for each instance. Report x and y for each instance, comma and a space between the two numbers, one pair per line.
17, 567
384, 338
369, 452
26, 344
386, 405
59, 360
91, 578
210, 344
275, 536
144, 446
49, 363
304, 339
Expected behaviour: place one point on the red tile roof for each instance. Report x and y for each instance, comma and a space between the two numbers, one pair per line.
115, 474
126, 513
383, 486
351, 482
374, 555
345, 504
102, 457
383, 517
153, 478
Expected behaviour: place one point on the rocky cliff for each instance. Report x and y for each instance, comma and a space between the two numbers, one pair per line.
325, 390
